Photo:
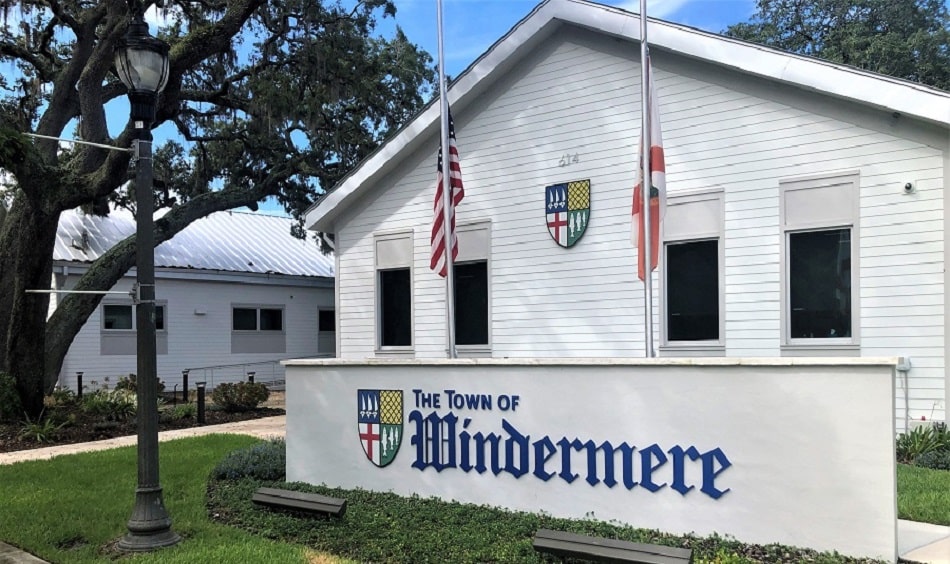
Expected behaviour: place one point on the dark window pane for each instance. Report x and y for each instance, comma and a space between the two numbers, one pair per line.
245, 319
471, 303
327, 320
117, 316
395, 308
272, 319
159, 318
820, 284
692, 291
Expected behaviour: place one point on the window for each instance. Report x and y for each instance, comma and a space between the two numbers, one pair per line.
819, 280
471, 303
257, 319
394, 307
118, 331
116, 317
472, 288
257, 329
692, 322
692, 291
395, 293
819, 254
326, 321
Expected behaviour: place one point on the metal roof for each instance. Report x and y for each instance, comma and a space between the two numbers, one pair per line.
809, 73
223, 241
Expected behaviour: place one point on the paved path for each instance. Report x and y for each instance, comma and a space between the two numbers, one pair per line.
919, 542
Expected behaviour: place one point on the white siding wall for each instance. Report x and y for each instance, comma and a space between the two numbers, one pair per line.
203, 340
580, 94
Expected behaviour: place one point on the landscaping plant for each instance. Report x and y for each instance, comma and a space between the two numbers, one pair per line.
242, 396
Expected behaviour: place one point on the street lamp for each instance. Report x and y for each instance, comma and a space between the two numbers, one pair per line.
142, 64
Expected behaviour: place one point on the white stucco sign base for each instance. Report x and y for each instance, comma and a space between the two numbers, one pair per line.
795, 451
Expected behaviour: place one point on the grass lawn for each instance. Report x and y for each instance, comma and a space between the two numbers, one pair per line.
68, 508
923, 494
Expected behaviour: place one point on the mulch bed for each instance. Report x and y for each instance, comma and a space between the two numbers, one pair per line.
84, 428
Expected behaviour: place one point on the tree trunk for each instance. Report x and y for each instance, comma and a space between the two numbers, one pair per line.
26, 249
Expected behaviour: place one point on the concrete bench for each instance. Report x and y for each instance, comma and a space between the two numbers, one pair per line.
299, 501
597, 549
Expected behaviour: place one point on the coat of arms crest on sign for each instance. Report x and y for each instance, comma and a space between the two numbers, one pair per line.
567, 210
379, 414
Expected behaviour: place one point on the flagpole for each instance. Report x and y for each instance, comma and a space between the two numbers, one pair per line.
446, 200
646, 180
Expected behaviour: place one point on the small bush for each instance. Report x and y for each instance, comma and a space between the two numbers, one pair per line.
265, 461
130, 383
43, 430
114, 405
916, 442
935, 460
242, 396
185, 411
61, 397
10, 407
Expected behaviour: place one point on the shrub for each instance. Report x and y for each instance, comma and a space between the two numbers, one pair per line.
61, 397
265, 461
10, 407
242, 396
916, 442
185, 411
935, 460
43, 430
130, 383
114, 405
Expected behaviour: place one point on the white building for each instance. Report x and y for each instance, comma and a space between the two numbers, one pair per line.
807, 213
235, 293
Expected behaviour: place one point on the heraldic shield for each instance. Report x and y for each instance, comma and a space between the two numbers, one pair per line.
567, 208
380, 424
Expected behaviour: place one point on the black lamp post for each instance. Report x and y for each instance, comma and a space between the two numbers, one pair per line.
142, 64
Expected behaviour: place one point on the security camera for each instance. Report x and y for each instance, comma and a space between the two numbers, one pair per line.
908, 188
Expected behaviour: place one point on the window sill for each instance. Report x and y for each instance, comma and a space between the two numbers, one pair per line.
693, 349
473, 351
395, 352
836, 347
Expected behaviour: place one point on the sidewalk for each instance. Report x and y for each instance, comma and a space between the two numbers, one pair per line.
918, 542
263, 428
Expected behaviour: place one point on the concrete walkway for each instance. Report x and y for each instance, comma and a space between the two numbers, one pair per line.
917, 542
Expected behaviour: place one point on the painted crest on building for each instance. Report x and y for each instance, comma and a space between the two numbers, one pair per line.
380, 424
567, 209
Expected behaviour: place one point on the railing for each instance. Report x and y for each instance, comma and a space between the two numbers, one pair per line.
268, 372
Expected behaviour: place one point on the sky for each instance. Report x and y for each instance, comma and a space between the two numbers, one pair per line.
472, 26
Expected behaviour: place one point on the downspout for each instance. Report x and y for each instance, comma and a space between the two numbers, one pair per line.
903, 368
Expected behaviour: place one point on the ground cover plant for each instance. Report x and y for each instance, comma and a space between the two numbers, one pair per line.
382, 527
71, 508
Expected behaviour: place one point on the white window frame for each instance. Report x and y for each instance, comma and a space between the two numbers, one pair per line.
476, 247
844, 214
692, 233
402, 239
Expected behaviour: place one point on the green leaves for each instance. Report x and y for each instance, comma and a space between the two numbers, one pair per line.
907, 39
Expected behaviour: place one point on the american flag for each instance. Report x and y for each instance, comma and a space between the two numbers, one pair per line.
437, 258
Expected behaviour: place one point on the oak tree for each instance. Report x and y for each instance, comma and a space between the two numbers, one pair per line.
265, 100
